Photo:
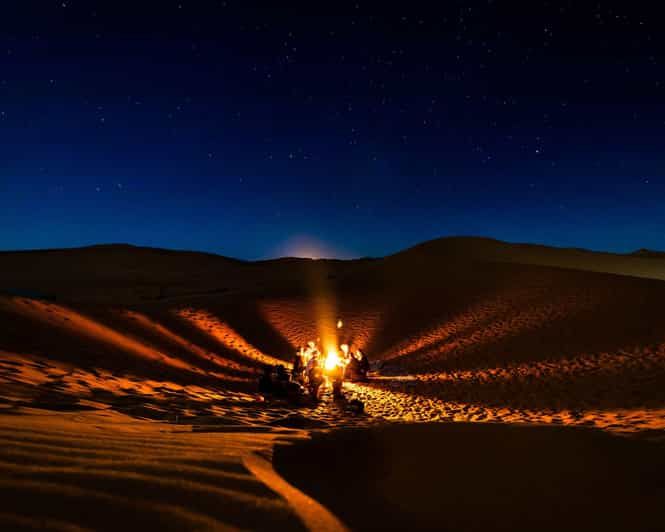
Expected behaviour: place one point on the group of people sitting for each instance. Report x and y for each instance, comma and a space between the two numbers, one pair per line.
276, 381
357, 367
352, 366
309, 368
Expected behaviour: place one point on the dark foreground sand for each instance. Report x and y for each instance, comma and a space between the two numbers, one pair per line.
464, 476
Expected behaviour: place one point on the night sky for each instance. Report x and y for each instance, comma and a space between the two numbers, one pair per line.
356, 129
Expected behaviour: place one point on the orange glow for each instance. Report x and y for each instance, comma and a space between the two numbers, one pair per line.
82, 383
293, 320
158, 328
225, 335
66, 318
332, 359
503, 318
324, 312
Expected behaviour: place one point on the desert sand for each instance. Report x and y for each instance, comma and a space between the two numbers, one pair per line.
128, 390
473, 476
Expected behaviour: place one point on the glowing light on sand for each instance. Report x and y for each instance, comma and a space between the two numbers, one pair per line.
79, 324
227, 336
483, 324
150, 324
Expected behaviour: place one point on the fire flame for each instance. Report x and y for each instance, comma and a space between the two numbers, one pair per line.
332, 359
329, 358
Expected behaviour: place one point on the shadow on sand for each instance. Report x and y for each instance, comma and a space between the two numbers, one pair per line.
481, 477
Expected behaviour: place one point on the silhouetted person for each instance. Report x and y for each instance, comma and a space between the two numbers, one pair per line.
352, 369
364, 365
281, 381
281, 373
312, 363
314, 375
265, 380
296, 373
356, 406
336, 375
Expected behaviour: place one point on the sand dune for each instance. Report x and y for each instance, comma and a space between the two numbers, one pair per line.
104, 471
641, 263
108, 350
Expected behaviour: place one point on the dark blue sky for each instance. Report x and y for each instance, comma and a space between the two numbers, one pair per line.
354, 130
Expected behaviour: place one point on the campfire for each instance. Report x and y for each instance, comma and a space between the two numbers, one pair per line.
333, 360
336, 356
314, 365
